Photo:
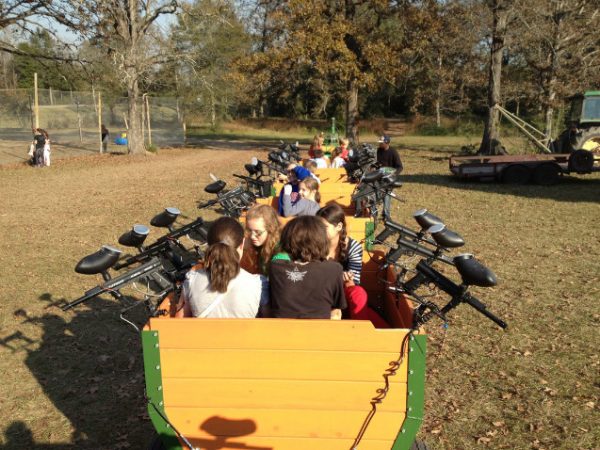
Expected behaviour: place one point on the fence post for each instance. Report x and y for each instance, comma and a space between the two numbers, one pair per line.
149, 126
100, 119
36, 105
143, 109
79, 122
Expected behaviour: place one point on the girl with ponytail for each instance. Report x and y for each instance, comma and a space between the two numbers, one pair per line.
342, 248
349, 253
222, 288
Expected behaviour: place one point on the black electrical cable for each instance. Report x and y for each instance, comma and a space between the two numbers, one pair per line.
382, 392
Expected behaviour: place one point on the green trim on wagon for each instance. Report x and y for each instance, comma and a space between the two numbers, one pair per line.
369, 235
154, 390
415, 399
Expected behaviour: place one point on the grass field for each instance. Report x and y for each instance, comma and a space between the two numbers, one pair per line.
75, 379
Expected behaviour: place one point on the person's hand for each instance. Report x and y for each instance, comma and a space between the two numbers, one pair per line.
287, 189
348, 277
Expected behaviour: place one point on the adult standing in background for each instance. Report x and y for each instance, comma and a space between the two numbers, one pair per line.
39, 140
105, 135
388, 156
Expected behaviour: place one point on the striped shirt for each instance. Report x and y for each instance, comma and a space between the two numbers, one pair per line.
353, 261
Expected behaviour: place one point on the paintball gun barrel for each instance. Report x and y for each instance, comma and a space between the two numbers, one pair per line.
113, 285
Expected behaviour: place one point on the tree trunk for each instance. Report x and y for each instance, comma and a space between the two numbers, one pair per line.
352, 110
548, 129
551, 78
213, 109
135, 142
490, 140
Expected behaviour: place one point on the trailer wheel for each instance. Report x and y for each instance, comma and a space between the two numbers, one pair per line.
547, 174
516, 174
419, 445
581, 161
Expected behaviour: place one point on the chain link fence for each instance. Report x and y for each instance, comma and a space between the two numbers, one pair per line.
71, 120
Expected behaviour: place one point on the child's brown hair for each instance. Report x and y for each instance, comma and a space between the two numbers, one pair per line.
304, 239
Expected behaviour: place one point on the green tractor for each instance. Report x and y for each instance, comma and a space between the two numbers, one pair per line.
582, 136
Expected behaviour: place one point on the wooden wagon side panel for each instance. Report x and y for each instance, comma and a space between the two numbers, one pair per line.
280, 384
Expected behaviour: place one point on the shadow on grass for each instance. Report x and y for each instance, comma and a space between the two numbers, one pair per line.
91, 369
569, 189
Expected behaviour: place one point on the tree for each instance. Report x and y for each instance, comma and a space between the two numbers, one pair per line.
353, 44
264, 32
502, 13
448, 71
127, 34
51, 73
557, 39
212, 38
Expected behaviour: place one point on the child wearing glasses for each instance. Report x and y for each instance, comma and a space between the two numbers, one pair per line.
262, 239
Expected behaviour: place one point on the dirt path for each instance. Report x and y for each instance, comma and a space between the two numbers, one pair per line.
15, 151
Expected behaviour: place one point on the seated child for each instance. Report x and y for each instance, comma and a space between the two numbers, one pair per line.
342, 248
311, 166
262, 239
223, 289
295, 174
304, 285
321, 160
337, 161
344, 143
303, 203
349, 253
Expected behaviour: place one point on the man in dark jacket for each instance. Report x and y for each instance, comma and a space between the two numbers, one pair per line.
388, 156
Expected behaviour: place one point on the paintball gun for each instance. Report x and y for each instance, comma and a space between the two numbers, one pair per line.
167, 245
472, 272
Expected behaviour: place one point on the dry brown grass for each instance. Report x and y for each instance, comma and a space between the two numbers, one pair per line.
75, 379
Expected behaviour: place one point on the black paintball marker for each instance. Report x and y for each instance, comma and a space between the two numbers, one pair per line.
375, 191
473, 273
168, 244
257, 182
433, 233
258, 167
361, 161
233, 201
101, 261
423, 217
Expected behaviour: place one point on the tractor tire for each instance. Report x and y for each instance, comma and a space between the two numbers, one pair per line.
419, 445
547, 174
588, 139
516, 174
581, 161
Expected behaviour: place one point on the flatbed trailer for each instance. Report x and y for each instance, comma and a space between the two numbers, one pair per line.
544, 169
